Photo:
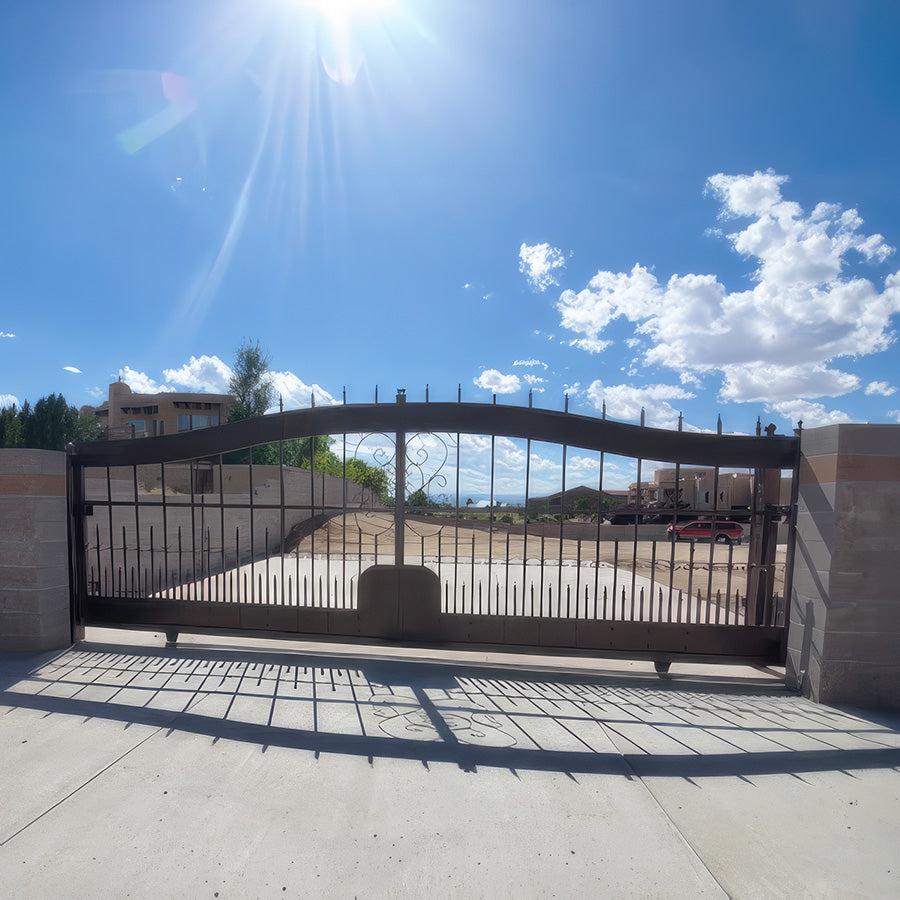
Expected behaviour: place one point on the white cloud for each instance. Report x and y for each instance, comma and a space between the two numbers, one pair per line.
209, 374
203, 373
4, 334
538, 262
591, 345
297, 394
72, 369
531, 362
803, 311
8, 400
141, 383
96, 392
812, 415
534, 379
573, 390
880, 387
773, 383
492, 380
896, 414
626, 402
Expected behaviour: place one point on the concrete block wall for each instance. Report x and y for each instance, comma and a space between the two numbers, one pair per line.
34, 580
844, 630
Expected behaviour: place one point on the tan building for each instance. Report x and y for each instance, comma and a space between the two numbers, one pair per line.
127, 414
696, 489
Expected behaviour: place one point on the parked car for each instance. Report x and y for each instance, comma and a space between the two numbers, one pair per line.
723, 532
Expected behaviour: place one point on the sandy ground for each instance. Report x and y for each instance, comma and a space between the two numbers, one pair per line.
688, 563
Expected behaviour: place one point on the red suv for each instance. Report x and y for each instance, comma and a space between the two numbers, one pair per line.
725, 532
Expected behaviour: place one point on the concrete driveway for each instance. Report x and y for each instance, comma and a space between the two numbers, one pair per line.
242, 768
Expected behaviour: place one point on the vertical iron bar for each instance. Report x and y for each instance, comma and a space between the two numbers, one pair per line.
137, 521
491, 520
713, 535
456, 523
283, 536
653, 575
400, 497
252, 539
562, 517
193, 527
541, 597
792, 532
222, 523
615, 572
637, 519
312, 508
690, 576
162, 478
109, 508
473, 576
344, 519
506, 579
525, 524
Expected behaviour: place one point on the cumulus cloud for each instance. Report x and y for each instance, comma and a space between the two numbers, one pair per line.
493, 380
803, 311
209, 374
531, 362
142, 383
880, 387
538, 263
203, 373
772, 383
72, 369
297, 394
812, 415
8, 334
8, 400
623, 401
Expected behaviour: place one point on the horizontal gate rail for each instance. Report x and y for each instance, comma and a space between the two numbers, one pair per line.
550, 426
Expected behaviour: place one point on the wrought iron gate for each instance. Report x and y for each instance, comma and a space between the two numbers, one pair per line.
211, 530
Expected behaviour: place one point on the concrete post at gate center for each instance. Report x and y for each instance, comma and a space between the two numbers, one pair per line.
844, 629
34, 556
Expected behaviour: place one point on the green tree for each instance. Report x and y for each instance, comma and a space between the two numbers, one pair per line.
49, 425
250, 383
10, 427
419, 499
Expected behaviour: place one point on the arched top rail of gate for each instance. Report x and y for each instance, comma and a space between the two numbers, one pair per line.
550, 426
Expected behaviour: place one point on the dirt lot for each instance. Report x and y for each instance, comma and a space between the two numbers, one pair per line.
689, 563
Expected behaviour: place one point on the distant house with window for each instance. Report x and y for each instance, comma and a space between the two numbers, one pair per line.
128, 414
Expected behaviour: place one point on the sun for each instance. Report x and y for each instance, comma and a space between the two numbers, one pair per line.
340, 14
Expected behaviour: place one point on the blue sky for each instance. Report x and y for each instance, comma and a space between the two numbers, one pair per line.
676, 206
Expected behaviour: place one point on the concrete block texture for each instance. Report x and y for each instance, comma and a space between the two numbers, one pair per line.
32, 462
844, 631
34, 632
859, 682
34, 566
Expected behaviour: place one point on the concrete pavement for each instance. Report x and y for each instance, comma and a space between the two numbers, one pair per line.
243, 768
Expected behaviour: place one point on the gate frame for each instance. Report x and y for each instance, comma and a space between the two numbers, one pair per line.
659, 641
